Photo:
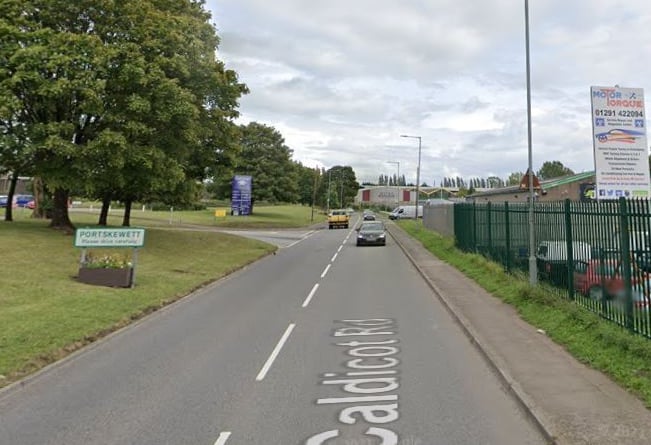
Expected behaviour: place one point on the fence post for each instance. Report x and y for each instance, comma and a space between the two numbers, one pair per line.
570, 249
474, 227
626, 262
489, 227
508, 236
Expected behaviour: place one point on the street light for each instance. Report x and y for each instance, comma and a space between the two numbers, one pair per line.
533, 273
417, 169
398, 163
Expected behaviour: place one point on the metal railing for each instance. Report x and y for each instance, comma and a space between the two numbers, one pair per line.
597, 254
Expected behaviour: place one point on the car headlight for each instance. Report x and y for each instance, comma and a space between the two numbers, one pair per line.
382, 236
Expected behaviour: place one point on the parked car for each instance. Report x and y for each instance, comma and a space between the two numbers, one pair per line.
402, 212
639, 244
4, 199
23, 200
371, 233
640, 295
552, 259
604, 277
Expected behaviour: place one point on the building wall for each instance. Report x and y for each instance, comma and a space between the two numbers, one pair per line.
572, 191
388, 196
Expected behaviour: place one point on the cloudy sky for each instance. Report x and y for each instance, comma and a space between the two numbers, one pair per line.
341, 80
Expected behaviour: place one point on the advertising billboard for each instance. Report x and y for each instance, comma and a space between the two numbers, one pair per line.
620, 144
241, 195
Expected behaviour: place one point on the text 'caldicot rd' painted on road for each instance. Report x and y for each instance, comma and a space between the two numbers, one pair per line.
370, 382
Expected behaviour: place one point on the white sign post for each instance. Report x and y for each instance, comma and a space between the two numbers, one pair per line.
620, 144
105, 237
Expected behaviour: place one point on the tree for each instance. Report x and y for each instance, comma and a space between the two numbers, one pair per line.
463, 192
553, 169
494, 182
342, 187
267, 159
108, 98
515, 178
309, 180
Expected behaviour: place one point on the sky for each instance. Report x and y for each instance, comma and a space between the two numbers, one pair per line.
342, 80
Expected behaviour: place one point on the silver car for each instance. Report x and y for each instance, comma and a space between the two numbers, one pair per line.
371, 233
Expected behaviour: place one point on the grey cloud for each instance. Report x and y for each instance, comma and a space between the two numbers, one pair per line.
346, 78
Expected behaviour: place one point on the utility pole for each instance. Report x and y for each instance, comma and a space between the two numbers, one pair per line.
417, 169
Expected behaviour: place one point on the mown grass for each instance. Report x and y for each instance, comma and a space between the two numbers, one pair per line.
606, 347
45, 313
267, 217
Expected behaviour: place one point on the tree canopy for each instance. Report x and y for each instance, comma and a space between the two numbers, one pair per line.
553, 169
114, 98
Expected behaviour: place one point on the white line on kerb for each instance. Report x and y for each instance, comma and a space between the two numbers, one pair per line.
325, 271
223, 437
333, 258
309, 297
275, 352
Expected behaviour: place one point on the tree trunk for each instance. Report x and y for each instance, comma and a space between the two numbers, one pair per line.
103, 214
126, 220
60, 217
9, 211
39, 198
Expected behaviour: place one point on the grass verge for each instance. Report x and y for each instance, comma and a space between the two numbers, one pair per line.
267, 217
45, 313
625, 357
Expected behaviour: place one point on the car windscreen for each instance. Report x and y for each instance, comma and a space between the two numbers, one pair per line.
372, 227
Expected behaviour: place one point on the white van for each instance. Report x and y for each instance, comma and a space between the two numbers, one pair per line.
552, 259
402, 212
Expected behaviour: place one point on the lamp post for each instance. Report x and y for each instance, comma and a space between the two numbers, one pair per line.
417, 169
398, 164
533, 273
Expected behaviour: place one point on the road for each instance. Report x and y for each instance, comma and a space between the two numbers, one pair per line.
322, 343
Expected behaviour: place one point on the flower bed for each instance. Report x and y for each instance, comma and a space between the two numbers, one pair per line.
111, 270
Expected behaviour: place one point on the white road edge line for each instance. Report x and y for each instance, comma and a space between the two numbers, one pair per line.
333, 258
274, 353
325, 271
309, 297
223, 437
307, 235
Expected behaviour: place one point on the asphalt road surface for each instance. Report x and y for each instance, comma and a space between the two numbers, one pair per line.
322, 343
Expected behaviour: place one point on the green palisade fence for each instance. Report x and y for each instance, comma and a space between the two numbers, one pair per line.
597, 254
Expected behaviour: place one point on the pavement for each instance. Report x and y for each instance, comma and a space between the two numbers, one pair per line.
570, 402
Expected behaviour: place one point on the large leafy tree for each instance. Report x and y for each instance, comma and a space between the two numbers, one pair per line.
309, 180
268, 160
341, 186
121, 99
48, 84
553, 169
